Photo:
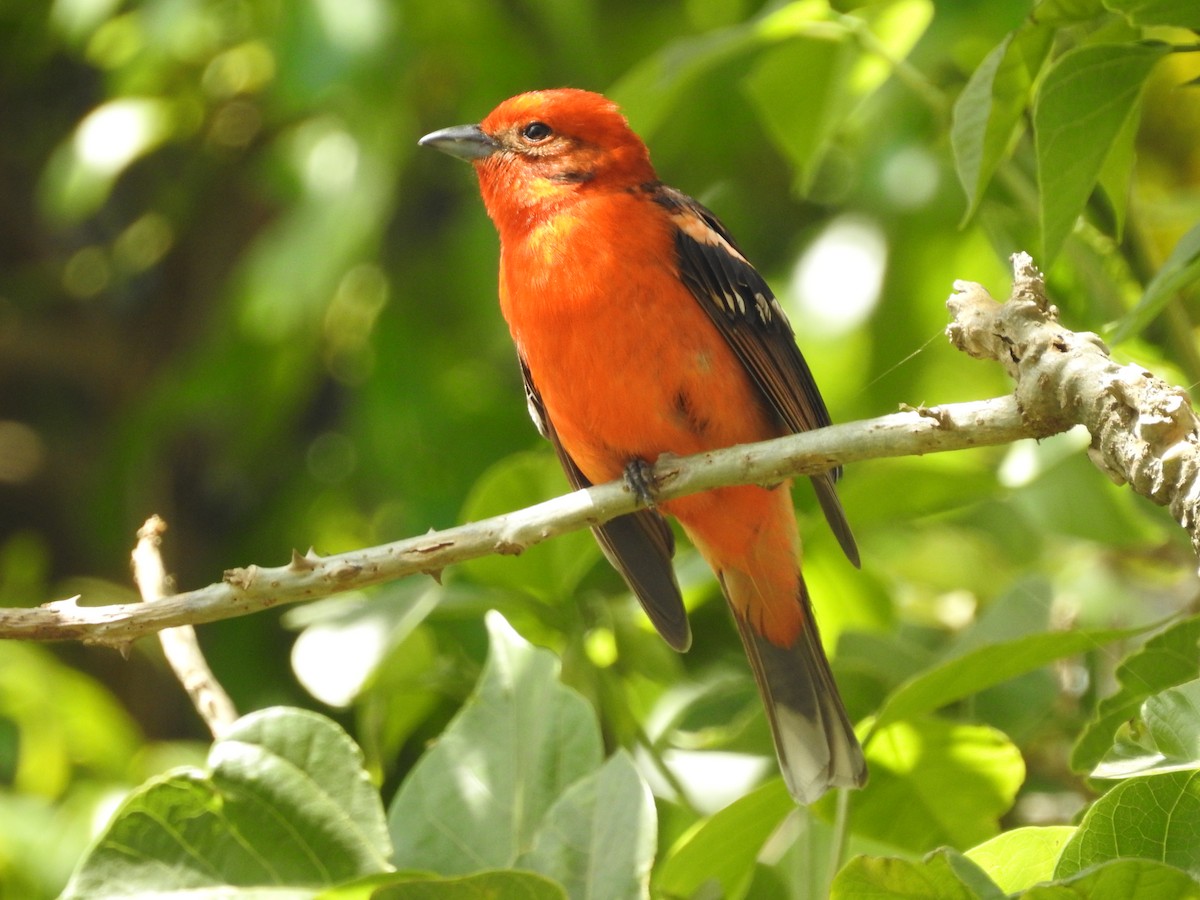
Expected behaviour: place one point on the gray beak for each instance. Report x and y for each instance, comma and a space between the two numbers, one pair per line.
464, 141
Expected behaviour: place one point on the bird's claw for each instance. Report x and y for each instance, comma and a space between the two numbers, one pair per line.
639, 476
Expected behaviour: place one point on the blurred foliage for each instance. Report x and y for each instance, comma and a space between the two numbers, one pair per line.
232, 292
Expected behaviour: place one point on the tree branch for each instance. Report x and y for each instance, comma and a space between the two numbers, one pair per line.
253, 588
1144, 433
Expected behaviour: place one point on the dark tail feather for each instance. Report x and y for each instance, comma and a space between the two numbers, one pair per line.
815, 743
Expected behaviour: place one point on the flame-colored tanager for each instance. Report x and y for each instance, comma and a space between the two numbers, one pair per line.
642, 329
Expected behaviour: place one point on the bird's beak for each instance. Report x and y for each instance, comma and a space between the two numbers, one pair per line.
464, 141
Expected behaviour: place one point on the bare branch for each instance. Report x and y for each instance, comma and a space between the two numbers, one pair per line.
179, 644
253, 588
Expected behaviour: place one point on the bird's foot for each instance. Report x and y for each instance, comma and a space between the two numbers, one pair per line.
639, 476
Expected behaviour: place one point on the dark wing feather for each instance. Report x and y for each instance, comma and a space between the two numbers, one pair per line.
639, 545
741, 305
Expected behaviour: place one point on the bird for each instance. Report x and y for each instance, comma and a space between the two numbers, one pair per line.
641, 329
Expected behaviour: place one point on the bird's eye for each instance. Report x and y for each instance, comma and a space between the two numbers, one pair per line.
536, 131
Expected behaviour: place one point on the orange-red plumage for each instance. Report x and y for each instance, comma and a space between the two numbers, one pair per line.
642, 330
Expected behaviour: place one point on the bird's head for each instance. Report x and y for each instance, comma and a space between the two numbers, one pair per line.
535, 152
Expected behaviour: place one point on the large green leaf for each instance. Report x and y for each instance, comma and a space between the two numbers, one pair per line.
1167, 659
599, 839
1154, 817
942, 875
722, 849
953, 783
1081, 107
987, 666
990, 108
479, 796
285, 804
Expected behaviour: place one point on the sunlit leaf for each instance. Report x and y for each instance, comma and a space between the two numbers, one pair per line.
722, 849
599, 838
1022, 857
478, 797
344, 640
284, 803
1080, 110
652, 88
915, 765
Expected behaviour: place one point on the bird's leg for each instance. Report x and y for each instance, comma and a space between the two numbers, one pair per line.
639, 477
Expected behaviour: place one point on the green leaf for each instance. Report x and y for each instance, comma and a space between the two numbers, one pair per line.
285, 803
491, 885
652, 88
1167, 741
1020, 858
1153, 817
478, 797
599, 839
987, 666
1179, 13
1062, 12
1167, 659
483, 886
1181, 269
1123, 879
723, 848
990, 108
840, 65
1081, 108
550, 570
917, 765
942, 875
1116, 175
801, 123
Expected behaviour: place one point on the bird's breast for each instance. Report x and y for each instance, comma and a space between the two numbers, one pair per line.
627, 362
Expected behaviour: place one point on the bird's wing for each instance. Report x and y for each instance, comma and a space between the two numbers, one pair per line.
639, 545
741, 305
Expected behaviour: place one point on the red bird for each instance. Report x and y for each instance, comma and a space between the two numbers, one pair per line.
642, 329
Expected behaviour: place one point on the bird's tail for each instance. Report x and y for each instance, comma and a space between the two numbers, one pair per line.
814, 740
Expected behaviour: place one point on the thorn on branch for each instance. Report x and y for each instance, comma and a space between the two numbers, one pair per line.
301, 563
